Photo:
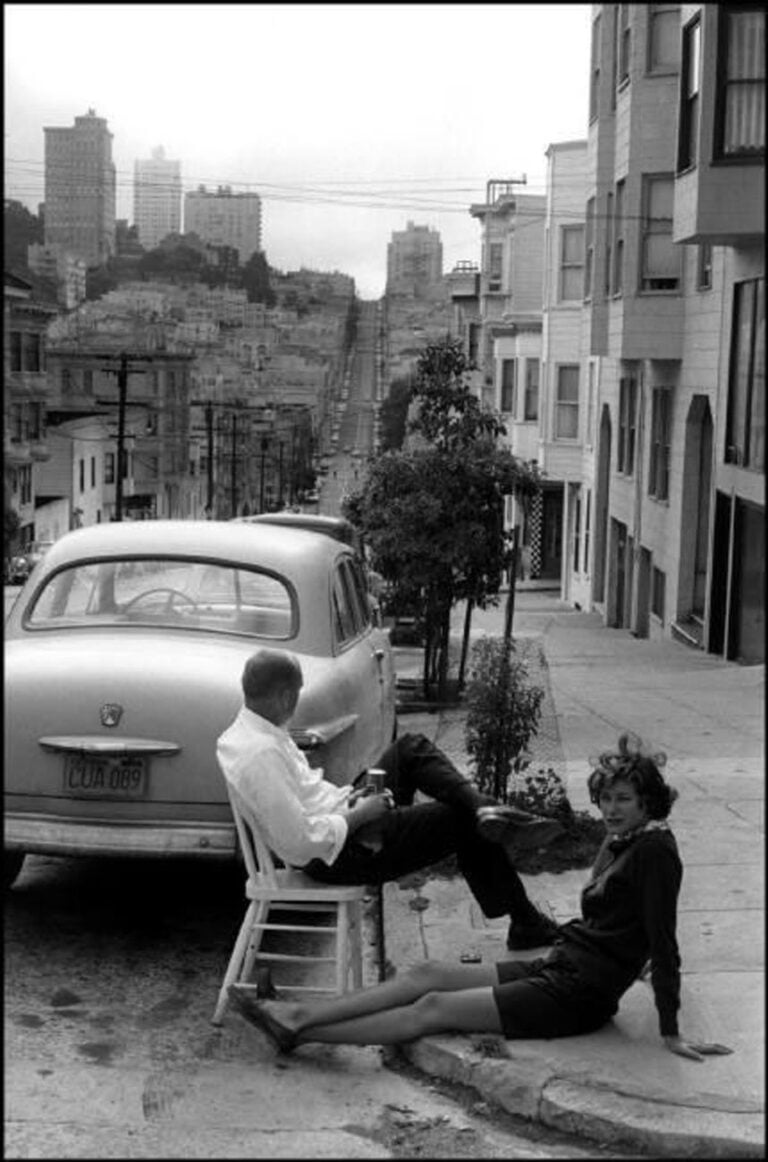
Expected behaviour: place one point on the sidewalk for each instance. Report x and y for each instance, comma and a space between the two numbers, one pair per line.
620, 1086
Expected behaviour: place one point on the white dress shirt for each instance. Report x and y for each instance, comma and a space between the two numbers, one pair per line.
299, 810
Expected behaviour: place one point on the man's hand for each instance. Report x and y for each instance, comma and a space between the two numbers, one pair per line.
695, 1050
368, 808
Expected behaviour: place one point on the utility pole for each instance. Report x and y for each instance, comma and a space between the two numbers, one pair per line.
233, 467
122, 390
209, 430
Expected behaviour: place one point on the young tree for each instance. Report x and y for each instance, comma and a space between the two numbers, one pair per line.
432, 515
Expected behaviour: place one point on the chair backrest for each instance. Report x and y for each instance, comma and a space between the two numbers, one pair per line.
255, 849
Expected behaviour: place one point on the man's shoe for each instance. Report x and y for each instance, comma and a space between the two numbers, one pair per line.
536, 934
515, 828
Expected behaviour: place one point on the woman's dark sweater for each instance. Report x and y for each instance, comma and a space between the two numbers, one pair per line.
629, 910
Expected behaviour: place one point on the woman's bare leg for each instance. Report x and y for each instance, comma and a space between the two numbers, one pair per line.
470, 1011
427, 977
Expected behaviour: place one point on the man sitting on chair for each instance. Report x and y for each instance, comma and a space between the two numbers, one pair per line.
347, 835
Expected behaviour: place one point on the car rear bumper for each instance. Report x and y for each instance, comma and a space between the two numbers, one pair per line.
45, 835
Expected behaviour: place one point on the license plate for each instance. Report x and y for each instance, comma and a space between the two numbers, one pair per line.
91, 776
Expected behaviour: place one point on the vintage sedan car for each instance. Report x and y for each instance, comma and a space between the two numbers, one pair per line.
124, 653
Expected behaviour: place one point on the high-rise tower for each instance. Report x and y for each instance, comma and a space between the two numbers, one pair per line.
80, 189
156, 198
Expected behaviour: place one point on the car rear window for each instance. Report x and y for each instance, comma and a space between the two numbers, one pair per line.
179, 594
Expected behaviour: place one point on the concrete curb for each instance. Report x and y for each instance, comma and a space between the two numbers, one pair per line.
533, 1089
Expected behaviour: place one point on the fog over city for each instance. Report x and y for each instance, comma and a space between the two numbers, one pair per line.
349, 121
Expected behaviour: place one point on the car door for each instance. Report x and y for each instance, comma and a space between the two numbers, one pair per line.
363, 663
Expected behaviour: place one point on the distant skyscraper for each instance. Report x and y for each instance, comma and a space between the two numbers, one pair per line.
80, 189
414, 260
225, 219
156, 198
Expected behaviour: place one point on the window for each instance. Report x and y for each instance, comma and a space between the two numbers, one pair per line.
66, 379
576, 530
660, 268
590, 404
93, 471
81, 473
704, 266
608, 251
531, 405
589, 248
663, 38
688, 133
657, 592
623, 43
745, 424
567, 403
571, 263
741, 87
587, 519
109, 467
36, 421
495, 257
16, 351
88, 381
618, 240
594, 86
615, 55
32, 351
474, 340
343, 610
25, 484
625, 449
508, 386
661, 429
150, 426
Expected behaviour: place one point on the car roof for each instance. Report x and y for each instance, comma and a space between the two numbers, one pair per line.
332, 526
259, 544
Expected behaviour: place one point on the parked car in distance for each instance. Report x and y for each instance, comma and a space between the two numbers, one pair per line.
22, 564
123, 658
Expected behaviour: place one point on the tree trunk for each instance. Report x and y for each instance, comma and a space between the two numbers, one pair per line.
443, 654
465, 643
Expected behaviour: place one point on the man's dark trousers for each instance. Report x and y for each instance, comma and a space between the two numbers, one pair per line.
415, 835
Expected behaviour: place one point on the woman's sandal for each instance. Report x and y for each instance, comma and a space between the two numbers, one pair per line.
282, 1039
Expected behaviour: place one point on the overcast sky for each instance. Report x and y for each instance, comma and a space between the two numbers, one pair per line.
349, 120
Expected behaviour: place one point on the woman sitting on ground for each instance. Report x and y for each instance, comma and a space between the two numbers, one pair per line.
629, 911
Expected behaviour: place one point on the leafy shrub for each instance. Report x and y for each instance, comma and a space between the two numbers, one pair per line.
503, 712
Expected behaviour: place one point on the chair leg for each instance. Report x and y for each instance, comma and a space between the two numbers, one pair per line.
257, 934
356, 947
235, 960
381, 951
342, 947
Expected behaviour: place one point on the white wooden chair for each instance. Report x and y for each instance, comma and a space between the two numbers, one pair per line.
292, 891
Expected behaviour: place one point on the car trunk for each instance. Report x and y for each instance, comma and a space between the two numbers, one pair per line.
177, 693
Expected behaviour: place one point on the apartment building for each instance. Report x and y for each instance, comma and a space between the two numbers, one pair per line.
719, 222
414, 262
80, 189
674, 322
66, 271
25, 399
156, 198
498, 314
555, 407
222, 218
157, 475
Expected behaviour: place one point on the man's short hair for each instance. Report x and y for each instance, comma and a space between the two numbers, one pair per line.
268, 672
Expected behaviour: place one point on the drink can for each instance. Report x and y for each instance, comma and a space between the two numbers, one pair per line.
376, 779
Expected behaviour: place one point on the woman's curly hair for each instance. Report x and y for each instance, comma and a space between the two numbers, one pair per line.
633, 763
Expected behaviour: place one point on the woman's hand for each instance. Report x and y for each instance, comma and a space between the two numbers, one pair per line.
695, 1050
